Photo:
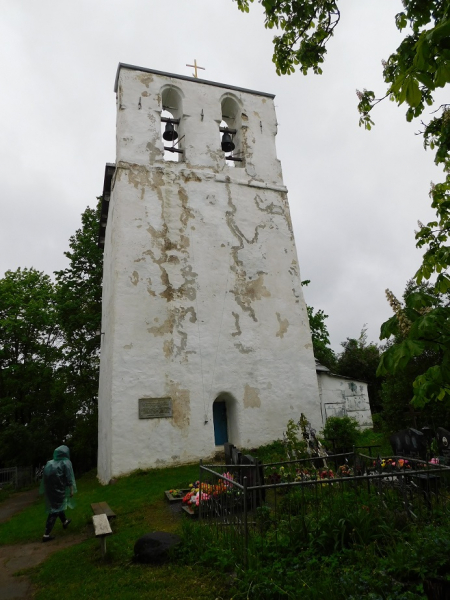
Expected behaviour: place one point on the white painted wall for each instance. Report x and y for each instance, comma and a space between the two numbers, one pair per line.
201, 292
341, 396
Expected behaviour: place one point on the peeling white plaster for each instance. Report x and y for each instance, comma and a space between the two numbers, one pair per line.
201, 292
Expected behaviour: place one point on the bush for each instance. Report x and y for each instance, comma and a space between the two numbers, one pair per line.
343, 431
379, 426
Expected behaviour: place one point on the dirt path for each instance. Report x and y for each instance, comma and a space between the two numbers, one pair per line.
25, 556
16, 503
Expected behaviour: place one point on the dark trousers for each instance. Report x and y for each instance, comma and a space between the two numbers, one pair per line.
51, 520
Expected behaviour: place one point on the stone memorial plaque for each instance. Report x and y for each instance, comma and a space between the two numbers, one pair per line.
155, 408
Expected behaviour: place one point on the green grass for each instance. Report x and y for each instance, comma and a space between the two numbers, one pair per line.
79, 572
201, 570
369, 437
6, 493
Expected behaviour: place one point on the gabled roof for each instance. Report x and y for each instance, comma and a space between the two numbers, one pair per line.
185, 78
322, 369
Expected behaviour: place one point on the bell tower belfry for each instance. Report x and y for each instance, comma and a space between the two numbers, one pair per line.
205, 334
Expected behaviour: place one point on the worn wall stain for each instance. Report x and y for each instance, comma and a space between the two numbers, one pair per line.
165, 328
251, 397
284, 324
138, 176
293, 269
134, 278
186, 212
242, 349
272, 208
190, 176
255, 289
128, 346
236, 323
173, 325
168, 348
181, 405
169, 247
245, 290
145, 79
150, 291
185, 242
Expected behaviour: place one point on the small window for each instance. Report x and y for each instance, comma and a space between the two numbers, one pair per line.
231, 133
226, 143
171, 126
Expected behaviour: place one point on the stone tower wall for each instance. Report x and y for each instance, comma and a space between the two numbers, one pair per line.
202, 294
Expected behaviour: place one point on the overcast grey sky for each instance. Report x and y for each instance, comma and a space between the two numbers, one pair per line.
355, 196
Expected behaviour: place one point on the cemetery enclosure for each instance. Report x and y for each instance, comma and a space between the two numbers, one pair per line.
16, 477
254, 509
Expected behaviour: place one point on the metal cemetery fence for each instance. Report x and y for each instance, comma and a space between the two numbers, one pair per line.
16, 477
253, 508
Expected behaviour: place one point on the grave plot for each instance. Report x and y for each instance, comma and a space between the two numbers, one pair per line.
253, 508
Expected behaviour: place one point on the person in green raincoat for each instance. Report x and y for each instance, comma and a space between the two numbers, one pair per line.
58, 485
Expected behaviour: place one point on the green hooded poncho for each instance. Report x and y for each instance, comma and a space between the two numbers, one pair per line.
57, 480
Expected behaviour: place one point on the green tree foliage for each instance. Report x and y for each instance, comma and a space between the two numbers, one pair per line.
304, 26
79, 298
401, 381
320, 336
412, 73
421, 327
49, 356
359, 360
31, 377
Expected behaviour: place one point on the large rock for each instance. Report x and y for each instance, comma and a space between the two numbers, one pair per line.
153, 547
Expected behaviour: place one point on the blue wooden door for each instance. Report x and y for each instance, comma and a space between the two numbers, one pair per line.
220, 423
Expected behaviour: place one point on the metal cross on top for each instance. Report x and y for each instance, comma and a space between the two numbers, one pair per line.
195, 66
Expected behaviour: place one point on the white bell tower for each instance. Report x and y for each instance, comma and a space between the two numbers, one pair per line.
205, 334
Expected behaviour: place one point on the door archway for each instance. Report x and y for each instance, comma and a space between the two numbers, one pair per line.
220, 419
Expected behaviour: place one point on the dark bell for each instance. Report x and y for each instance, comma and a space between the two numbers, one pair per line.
169, 133
227, 144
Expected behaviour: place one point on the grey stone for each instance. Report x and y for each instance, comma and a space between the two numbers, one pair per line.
409, 442
153, 547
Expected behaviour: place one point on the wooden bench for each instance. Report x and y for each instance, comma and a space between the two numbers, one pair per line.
102, 529
102, 508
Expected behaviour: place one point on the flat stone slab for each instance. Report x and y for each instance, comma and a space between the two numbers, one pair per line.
153, 547
190, 512
170, 498
101, 525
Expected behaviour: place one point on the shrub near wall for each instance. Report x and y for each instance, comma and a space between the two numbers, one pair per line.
342, 431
